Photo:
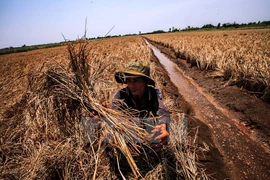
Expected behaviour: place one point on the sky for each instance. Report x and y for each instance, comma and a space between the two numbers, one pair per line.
33, 22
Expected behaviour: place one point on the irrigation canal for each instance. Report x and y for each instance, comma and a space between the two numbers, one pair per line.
245, 158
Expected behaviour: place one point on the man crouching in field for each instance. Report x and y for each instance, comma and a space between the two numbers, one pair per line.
140, 94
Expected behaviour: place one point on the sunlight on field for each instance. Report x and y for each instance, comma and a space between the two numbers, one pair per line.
239, 55
115, 52
30, 120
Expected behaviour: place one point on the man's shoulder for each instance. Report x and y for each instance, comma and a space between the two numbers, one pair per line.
121, 93
155, 90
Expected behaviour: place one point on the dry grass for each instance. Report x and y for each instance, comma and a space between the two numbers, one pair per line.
240, 56
42, 135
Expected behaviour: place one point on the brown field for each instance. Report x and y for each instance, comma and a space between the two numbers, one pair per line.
240, 56
43, 99
113, 52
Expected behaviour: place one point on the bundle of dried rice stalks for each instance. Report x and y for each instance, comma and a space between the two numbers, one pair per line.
46, 135
185, 149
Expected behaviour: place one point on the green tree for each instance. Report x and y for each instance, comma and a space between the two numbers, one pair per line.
208, 26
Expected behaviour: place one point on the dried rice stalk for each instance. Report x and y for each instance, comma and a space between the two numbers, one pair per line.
185, 151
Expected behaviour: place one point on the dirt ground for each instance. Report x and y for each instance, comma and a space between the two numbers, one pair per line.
246, 116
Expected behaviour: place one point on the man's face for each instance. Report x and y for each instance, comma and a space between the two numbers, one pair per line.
136, 85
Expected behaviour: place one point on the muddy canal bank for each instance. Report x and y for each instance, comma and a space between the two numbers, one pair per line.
236, 122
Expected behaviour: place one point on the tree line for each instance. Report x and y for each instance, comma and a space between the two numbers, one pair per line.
259, 24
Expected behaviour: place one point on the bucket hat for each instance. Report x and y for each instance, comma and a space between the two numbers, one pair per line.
134, 68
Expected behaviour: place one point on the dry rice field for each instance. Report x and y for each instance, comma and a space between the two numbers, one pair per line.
45, 93
240, 56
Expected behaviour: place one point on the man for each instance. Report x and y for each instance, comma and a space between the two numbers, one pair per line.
141, 94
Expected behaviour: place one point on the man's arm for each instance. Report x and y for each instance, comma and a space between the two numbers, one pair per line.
115, 102
163, 113
163, 124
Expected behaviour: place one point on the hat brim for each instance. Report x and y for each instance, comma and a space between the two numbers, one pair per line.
121, 77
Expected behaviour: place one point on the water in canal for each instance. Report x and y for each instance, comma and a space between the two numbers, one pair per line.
224, 131
190, 91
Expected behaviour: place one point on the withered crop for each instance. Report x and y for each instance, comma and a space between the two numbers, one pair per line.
240, 56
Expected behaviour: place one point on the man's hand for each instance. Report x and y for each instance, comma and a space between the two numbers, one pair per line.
163, 137
95, 116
